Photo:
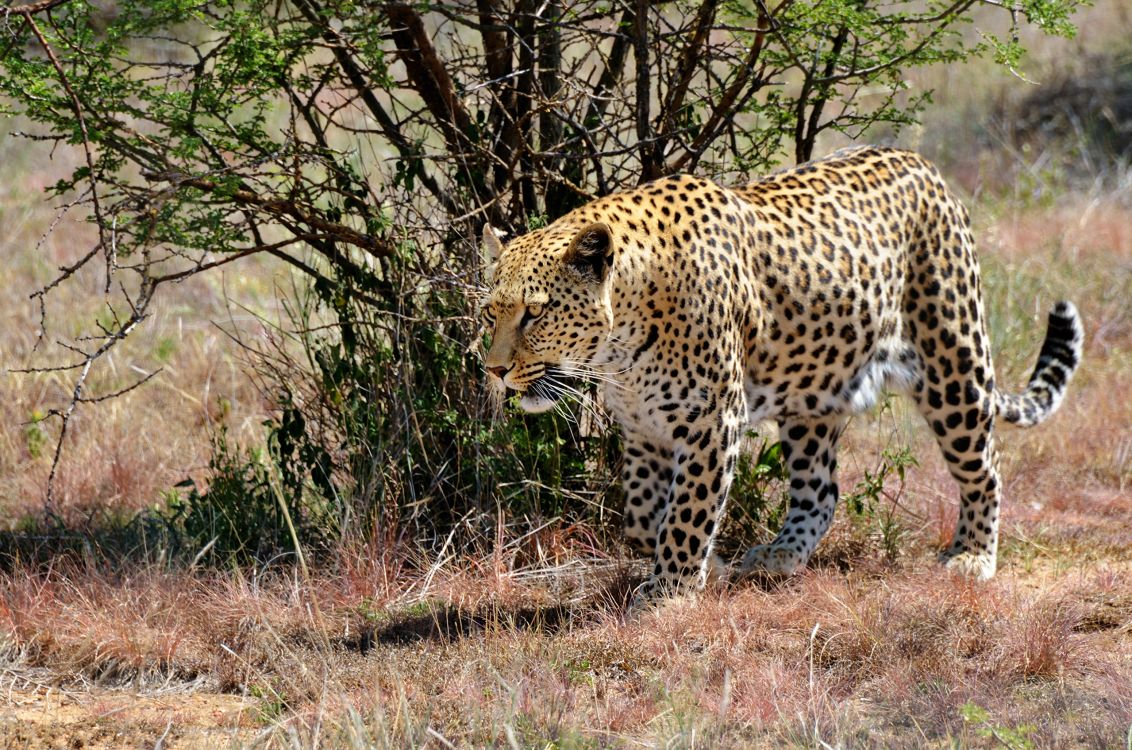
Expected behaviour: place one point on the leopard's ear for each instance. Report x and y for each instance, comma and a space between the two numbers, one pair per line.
591, 252
492, 248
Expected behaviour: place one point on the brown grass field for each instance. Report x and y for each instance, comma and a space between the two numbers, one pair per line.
527, 645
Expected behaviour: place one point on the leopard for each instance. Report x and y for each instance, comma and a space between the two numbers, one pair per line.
800, 298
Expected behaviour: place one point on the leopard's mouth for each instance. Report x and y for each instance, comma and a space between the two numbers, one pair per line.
542, 393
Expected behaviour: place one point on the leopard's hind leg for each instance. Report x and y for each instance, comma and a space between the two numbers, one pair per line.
959, 399
962, 416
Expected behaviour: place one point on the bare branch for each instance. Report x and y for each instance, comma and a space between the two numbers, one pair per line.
356, 75
121, 391
139, 313
428, 74
33, 8
650, 166
725, 108
814, 96
686, 68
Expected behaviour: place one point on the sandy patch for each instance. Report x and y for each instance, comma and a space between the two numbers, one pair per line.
40, 716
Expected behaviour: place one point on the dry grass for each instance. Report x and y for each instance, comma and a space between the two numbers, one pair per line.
529, 646
831, 657
122, 454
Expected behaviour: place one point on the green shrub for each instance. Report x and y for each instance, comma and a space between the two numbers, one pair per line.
385, 423
249, 511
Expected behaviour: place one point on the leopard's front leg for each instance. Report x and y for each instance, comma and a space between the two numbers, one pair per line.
704, 450
809, 448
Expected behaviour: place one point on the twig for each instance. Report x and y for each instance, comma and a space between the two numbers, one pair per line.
122, 391
65, 415
78, 109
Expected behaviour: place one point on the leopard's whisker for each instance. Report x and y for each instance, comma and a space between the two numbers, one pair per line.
591, 374
569, 391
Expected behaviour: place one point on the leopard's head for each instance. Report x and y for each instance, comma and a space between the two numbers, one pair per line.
548, 312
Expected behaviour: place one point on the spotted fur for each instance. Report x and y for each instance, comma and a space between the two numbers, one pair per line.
798, 298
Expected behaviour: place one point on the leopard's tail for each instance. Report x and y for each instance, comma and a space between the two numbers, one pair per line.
1058, 360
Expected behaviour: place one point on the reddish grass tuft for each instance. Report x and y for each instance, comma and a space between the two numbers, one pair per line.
1040, 641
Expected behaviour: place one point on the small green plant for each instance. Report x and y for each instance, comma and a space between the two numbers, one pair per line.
165, 348
35, 437
867, 500
272, 704
760, 498
1015, 738
419, 609
370, 611
246, 513
758, 493
892, 533
579, 671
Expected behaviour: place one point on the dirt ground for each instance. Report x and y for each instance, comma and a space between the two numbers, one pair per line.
37, 716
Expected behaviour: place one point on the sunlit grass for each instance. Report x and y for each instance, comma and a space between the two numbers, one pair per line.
385, 646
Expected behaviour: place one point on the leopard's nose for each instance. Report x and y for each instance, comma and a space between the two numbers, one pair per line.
499, 371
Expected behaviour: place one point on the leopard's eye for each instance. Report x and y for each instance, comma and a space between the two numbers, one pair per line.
533, 312
486, 318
